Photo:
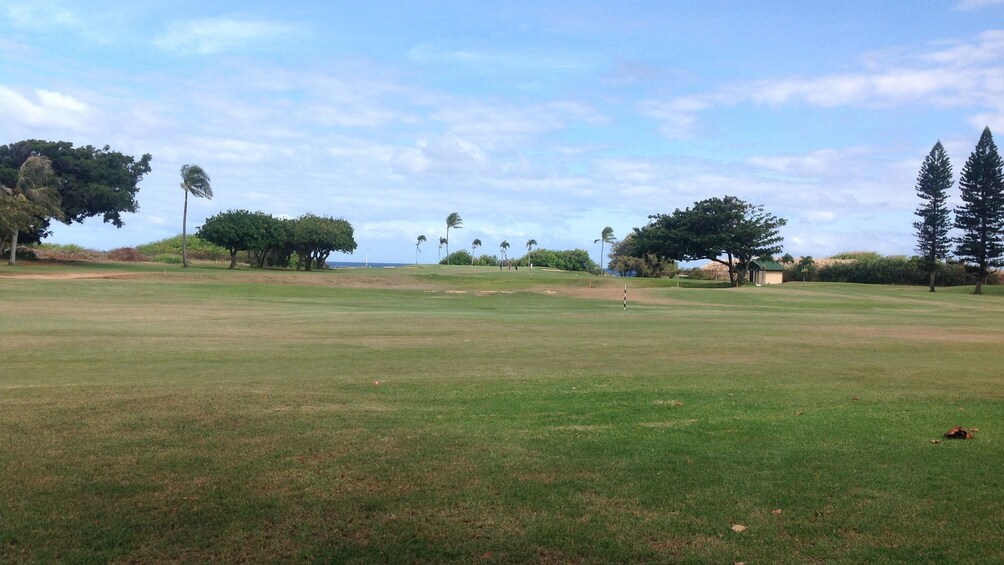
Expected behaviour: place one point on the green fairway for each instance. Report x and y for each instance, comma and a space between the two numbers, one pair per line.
452, 414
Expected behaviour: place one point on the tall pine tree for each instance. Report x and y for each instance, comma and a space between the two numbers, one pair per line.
981, 216
933, 182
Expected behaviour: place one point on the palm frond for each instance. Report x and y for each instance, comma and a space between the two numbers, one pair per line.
195, 181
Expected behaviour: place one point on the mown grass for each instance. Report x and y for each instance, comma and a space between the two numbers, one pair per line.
439, 414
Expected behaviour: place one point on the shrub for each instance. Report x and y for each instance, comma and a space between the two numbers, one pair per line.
126, 254
462, 257
487, 261
566, 260
71, 248
198, 248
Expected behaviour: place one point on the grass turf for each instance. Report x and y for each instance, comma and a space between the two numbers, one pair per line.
461, 415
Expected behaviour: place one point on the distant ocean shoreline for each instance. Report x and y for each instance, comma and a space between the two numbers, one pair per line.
362, 265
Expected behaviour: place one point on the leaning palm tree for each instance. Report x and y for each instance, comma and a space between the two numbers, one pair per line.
452, 221
34, 194
418, 243
442, 242
474, 245
194, 180
606, 236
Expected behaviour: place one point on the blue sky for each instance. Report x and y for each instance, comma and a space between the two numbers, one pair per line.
543, 120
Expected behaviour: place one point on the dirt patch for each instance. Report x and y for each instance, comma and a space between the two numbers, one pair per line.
70, 276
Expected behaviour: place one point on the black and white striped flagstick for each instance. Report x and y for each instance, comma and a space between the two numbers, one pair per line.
625, 297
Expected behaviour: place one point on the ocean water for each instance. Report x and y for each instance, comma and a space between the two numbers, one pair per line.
361, 264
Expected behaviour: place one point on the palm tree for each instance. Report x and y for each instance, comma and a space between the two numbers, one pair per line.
474, 245
452, 221
421, 239
606, 236
503, 247
194, 180
530, 245
33, 194
442, 242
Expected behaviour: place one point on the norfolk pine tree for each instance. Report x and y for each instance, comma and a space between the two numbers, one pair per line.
933, 182
981, 217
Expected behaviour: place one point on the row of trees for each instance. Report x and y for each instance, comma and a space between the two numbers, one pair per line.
980, 217
271, 241
454, 221
42, 181
566, 260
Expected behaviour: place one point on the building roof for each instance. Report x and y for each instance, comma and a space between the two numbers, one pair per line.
765, 265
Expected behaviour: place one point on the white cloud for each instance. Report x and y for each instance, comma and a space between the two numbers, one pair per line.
974, 4
679, 115
42, 16
820, 162
820, 216
216, 35
988, 47
48, 108
431, 53
964, 74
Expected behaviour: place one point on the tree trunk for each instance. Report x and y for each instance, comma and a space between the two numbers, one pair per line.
184, 234
932, 280
13, 249
233, 258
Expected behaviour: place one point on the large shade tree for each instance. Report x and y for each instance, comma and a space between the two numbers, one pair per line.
91, 181
933, 182
32, 198
194, 181
315, 237
240, 230
726, 230
981, 216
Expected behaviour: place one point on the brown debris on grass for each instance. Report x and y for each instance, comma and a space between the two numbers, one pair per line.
959, 432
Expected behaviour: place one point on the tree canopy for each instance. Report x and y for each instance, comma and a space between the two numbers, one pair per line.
240, 230
92, 181
649, 265
933, 182
313, 238
981, 216
725, 230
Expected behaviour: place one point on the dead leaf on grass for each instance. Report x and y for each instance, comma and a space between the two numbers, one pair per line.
958, 432
776, 512
738, 528
935, 441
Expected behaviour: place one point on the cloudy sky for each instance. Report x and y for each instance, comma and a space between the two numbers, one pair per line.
532, 119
